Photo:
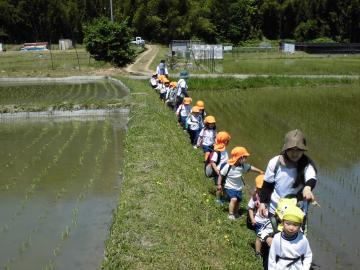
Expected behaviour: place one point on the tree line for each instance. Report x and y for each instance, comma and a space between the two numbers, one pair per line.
230, 21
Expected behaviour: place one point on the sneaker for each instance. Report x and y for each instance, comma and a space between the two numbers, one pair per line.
232, 217
238, 215
258, 255
195, 147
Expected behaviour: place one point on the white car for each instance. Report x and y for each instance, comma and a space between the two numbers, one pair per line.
138, 41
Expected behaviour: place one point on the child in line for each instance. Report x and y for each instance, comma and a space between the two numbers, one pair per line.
171, 95
201, 106
194, 125
233, 172
290, 248
183, 112
272, 226
207, 135
219, 158
153, 81
257, 221
160, 85
182, 88
164, 89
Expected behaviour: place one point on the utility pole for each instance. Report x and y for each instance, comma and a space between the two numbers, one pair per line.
111, 11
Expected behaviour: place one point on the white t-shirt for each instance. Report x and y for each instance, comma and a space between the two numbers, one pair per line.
181, 84
284, 180
163, 89
258, 218
153, 82
234, 179
183, 110
194, 122
223, 158
158, 71
290, 249
207, 137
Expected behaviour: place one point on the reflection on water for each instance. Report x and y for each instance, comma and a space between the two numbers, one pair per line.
59, 181
259, 118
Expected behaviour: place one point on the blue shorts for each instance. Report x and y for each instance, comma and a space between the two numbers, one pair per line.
258, 226
232, 193
208, 148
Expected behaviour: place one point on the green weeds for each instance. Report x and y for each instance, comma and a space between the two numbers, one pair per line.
166, 215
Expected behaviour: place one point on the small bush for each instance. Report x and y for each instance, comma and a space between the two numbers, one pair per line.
109, 41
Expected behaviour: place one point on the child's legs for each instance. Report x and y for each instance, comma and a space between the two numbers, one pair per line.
235, 198
183, 121
192, 134
196, 136
207, 150
257, 245
233, 205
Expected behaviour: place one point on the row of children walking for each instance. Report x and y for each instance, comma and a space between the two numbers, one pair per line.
279, 225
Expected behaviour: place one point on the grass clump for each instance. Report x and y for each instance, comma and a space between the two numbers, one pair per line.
166, 217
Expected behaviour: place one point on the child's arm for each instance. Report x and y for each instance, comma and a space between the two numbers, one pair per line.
178, 110
219, 187
200, 139
251, 216
307, 256
254, 169
272, 257
213, 165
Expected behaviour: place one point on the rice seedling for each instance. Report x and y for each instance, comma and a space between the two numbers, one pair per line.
36, 180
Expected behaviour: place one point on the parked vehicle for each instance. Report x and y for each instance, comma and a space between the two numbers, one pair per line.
138, 41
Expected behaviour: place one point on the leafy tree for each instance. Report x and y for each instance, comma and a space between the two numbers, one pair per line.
271, 26
109, 41
307, 31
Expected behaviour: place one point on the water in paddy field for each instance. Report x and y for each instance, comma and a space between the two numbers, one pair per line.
59, 182
259, 118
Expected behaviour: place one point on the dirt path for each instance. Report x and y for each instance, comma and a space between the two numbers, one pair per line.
143, 62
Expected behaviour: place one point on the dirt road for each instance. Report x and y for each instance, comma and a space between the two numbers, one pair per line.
143, 61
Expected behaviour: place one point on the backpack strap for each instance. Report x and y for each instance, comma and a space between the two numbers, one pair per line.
225, 176
277, 166
292, 260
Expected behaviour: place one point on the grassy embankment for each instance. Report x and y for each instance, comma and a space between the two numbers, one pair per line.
166, 217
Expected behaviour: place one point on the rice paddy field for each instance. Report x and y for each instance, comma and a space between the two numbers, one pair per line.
258, 112
273, 62
15, 97
298, 63
59, 176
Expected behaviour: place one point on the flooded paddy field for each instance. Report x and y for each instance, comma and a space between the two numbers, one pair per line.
52, 94
329, 115
59, 181
59, 176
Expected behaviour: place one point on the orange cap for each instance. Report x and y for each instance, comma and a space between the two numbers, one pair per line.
259, 181
237, 153
173, 84
195, 109
200, 104
222, 138
161, 77
209, 120
187, 100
